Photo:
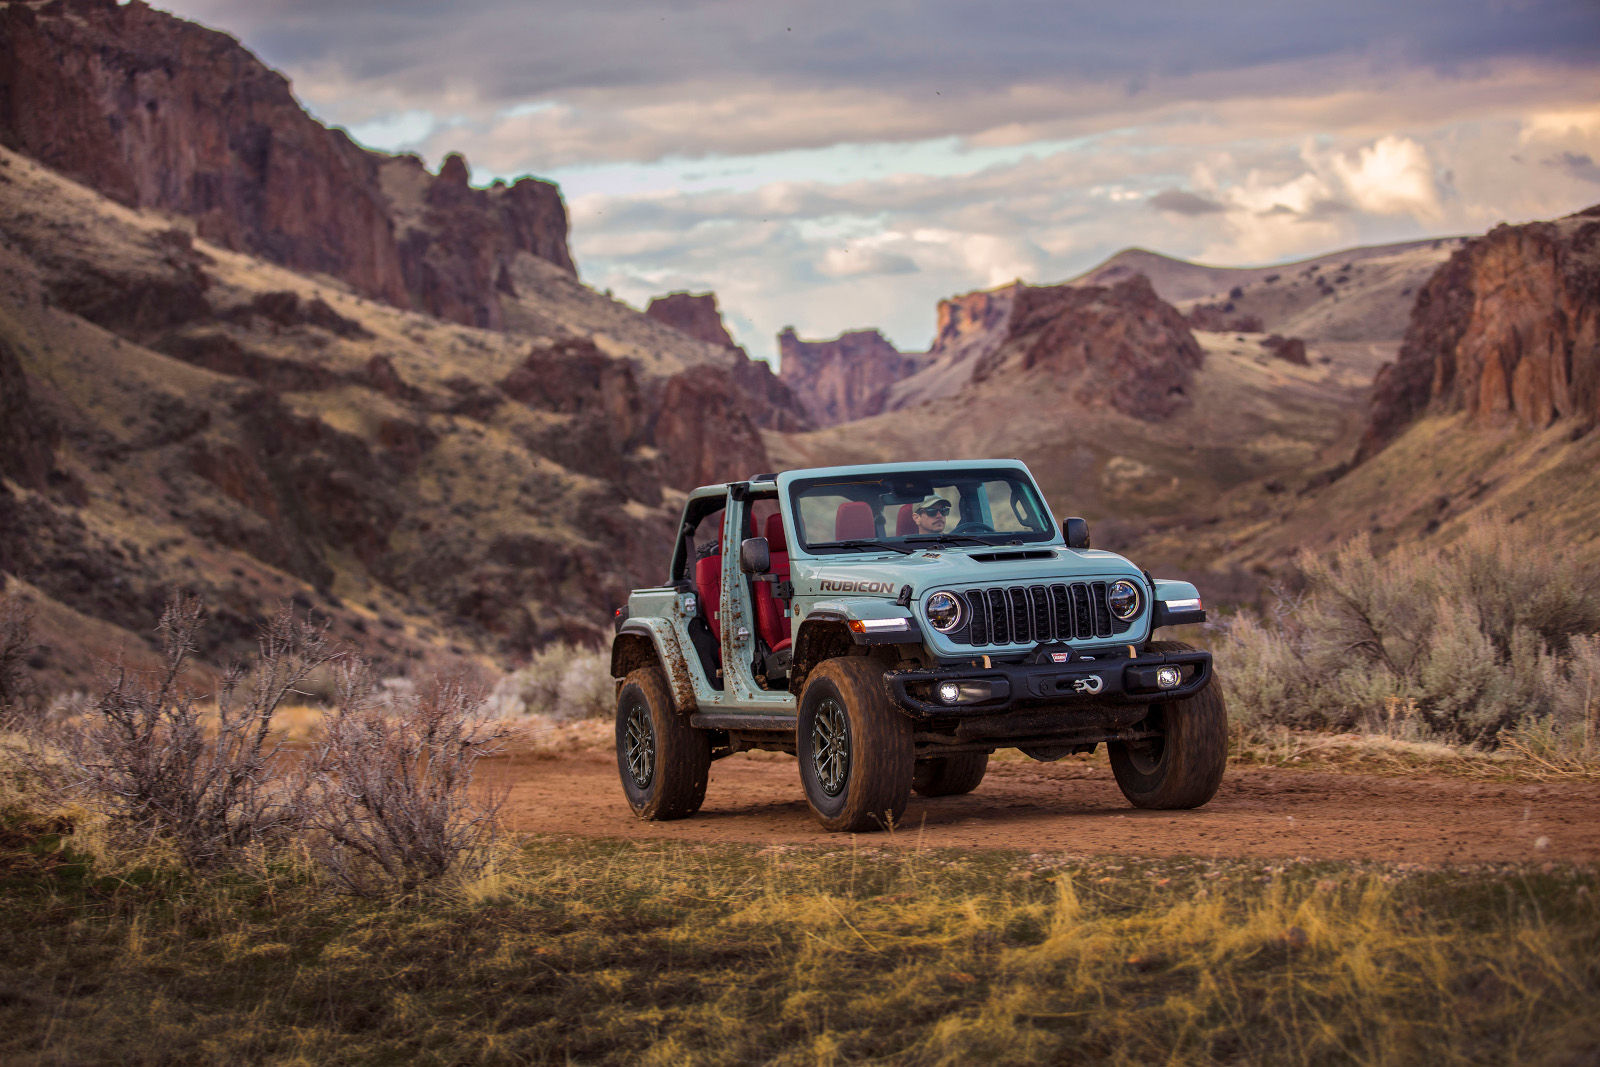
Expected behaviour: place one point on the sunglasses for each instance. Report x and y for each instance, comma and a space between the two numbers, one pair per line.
937, 509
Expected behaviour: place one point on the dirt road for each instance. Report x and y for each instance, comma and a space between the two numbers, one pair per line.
1074, 807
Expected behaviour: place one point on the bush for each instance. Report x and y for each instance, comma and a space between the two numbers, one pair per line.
1461, 643
149, 759
388, 788
561, 682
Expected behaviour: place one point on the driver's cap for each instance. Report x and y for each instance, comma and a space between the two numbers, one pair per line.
931, 502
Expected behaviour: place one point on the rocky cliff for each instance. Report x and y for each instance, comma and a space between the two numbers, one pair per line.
696, 314
1507, 330
846, 378
154, 111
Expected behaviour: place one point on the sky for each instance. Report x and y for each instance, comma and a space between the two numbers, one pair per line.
834, 165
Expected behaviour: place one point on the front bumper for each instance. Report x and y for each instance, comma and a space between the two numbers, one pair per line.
1079, 683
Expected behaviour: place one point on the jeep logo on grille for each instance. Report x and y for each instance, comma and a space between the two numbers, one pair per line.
833, 585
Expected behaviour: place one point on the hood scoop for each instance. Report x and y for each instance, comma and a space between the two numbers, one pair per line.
1006, 557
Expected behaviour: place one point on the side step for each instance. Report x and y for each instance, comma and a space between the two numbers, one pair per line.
743, 720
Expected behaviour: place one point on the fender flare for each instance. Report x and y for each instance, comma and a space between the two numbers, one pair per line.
641, 642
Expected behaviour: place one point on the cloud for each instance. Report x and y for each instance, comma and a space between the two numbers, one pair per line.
1578, 164
1393, 176
631, 80
1180, 202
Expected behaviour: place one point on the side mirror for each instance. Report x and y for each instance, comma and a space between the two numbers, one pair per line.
1075, 530
754, 556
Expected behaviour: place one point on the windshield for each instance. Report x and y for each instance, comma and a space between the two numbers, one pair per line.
981, 506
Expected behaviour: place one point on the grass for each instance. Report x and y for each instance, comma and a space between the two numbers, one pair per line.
614, 952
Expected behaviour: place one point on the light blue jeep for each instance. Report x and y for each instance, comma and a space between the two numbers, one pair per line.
892, 625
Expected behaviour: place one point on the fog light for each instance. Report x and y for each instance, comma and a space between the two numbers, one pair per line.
1169, 677
949, 692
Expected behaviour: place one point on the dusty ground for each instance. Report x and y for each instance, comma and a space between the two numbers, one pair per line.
1074, 807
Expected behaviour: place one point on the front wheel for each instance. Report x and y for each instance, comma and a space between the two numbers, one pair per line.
664, 762
1180, 767
855, 749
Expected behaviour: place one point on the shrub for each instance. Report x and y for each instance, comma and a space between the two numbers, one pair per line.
149, 760
389, 787
1462, 642
562, 682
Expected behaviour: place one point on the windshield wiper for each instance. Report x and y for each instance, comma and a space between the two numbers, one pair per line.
865, 545
952, 538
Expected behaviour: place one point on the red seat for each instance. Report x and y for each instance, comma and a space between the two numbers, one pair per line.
770, 620
708, 583
853, 521
905, 525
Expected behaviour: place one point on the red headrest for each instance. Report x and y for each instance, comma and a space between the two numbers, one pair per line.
854, 520
776, 542
905, 525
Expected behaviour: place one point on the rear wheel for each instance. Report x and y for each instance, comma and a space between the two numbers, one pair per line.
855, 749
948, 776
1180, 767
664, 762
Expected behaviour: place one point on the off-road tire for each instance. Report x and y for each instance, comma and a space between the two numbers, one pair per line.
845, 703
1183, 767
679, 755
949, 776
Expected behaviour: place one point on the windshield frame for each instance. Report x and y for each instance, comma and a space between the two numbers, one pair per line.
939, 475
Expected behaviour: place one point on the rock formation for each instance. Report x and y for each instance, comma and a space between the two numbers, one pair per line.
696, 314
1288, 349
154, 111
1507, 330
1120, 346
844, 379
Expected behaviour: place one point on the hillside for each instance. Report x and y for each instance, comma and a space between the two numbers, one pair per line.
183, 415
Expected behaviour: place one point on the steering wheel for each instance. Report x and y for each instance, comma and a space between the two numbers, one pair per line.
973, 527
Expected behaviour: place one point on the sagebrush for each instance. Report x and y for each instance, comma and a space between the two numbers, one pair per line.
1462, 643
561, 682
389, 793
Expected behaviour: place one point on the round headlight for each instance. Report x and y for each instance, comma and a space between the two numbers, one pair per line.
1123, 599
943, 611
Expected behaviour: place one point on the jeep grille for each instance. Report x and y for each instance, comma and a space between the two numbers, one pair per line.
1027, 614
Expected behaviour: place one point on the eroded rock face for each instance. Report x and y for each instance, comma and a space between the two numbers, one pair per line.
974, 322
1120, 346
1507, 330
695, 314
457, 243
154, 111
844, 379
702, 432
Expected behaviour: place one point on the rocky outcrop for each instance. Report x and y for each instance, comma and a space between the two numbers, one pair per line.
154, 111
1118, 346
695, 314
702, 433
687, 430
457, 242
844, 379
974, 323
1507, 331
1288, 349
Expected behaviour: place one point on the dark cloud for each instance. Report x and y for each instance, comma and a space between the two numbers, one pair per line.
1180, 202
512, 50
1577, 164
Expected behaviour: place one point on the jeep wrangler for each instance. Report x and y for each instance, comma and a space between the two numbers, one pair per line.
892, 625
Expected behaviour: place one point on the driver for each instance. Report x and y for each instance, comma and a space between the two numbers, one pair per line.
930, 514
